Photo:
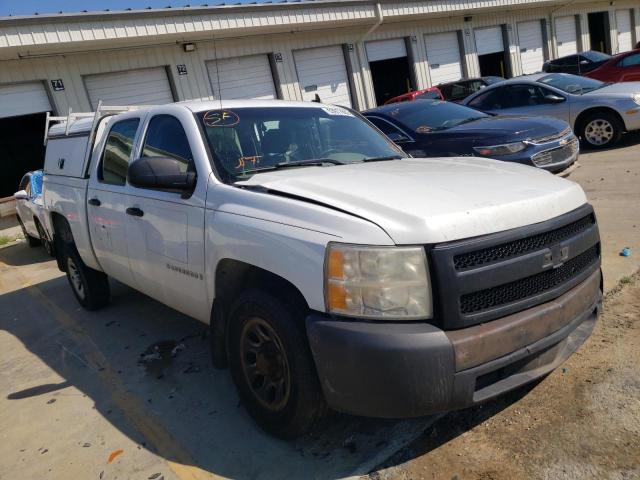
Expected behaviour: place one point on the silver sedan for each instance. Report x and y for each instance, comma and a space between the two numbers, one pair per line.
598, 112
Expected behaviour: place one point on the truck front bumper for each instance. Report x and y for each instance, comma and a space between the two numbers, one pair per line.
403, 369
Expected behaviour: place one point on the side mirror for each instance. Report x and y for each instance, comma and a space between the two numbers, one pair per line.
397, 137
21, 195
160, 172
553, 98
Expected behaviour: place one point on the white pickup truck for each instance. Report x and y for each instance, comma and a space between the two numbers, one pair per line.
333, 269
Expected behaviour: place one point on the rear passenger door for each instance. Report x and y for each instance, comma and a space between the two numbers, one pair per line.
106, 200
165, 229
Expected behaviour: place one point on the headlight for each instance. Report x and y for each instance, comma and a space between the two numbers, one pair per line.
636, 98
377, 282
497, 150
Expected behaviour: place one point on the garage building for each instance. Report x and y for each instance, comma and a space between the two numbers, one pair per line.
356, 53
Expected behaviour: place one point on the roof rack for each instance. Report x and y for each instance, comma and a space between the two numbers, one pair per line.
101, 112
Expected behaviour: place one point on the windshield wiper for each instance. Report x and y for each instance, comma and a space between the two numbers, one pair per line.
299, 163
310, 162
383, 159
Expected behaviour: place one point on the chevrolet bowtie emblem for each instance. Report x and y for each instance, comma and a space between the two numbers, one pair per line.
556, 257
563, 142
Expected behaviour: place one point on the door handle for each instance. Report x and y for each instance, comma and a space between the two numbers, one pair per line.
135, 211
94, 201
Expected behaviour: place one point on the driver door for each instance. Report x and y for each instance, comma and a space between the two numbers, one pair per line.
165, 228
532, 100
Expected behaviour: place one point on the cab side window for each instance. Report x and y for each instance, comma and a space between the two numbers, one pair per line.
491, 100
631, 61
166, 138
117, 152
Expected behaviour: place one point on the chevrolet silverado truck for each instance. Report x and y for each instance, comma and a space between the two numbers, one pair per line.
334, 270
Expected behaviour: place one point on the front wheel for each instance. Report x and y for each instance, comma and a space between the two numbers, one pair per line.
272, 367
90, 287
601, 129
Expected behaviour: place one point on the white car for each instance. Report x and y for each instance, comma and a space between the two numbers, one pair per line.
333, 270
29, 210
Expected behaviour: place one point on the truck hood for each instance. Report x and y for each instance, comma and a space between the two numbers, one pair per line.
418, 201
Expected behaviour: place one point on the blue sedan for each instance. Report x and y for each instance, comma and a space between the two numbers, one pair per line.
433, 128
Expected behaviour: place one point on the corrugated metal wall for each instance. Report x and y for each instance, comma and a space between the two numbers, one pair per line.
72, 67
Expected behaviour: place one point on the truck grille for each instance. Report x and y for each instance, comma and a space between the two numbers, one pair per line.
484, 278
556, 155
522, 246
510, 292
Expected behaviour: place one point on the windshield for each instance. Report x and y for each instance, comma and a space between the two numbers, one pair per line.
426, 116
595, 56
245, 141
571, 83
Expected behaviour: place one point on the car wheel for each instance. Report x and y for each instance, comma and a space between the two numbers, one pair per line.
601, 129
90, 287
31, 241
272, 367
44, 240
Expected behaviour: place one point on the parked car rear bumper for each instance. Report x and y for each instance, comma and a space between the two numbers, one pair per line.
399, 370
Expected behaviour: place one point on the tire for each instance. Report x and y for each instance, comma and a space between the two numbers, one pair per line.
90, 287
600, 129
267, 346
44, 240
31, 241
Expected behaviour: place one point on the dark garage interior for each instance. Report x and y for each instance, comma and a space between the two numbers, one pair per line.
598, 31
391, 77
493, 64
21, 144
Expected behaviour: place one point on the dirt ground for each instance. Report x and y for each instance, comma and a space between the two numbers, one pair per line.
582, 421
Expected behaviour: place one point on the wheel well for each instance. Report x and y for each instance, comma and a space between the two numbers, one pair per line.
61, 236
586, 113
231, 279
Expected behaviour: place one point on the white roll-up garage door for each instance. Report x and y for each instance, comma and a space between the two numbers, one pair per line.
242, 77
566, 36
147, 86
23, 99
531, 46
322, 71
489, 40
386, 49
623, 25
443, 55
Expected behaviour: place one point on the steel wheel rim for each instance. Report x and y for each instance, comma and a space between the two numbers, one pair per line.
598, 132
264, 364
76, 279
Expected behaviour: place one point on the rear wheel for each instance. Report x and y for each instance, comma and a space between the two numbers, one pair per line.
601, 129
44, 239
31, 241
272, 367
90, 287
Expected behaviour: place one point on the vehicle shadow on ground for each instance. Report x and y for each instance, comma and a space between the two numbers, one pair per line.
183, 409
452, 425
18, 254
